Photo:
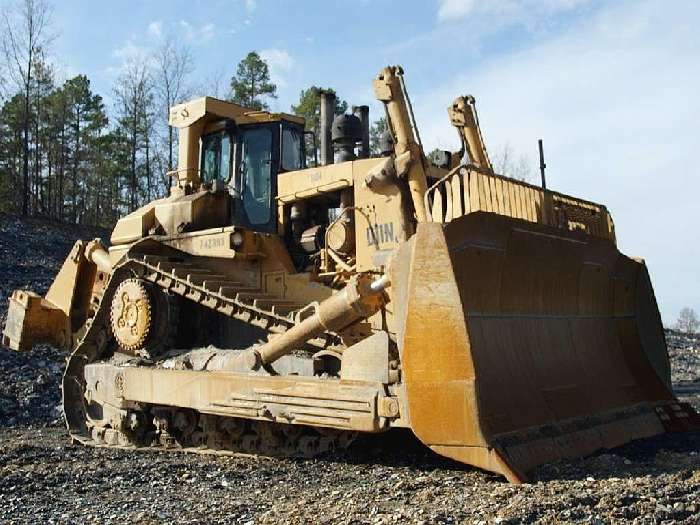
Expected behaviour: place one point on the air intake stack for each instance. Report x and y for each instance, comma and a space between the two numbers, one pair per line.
362, 112
327, 114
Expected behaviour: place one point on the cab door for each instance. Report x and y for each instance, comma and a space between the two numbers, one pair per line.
255, 183
262, 152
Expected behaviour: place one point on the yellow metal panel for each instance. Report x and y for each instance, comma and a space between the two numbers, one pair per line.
186, 114
527, 202
487, 193
474, 191
482, 195
543, 216
514, 200
467, 192
511, 199
533, 204
438, 211
532, 207
501, 201
506, 199
457, 192
525, 194
448, 201
494, 194
520, 195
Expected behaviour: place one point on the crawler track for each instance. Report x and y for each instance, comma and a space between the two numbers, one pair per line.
168, 428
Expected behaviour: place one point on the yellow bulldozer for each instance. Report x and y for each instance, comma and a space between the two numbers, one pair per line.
269, 307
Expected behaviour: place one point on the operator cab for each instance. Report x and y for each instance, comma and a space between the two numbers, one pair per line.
245, 160
227, 148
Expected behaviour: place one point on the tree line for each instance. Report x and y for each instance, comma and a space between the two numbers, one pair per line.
65, 155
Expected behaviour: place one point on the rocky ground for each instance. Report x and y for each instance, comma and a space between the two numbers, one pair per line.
45, 478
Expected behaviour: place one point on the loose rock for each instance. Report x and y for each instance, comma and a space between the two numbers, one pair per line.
384, 479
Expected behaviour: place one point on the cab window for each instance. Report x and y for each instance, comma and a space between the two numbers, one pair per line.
216, 157
256, 174
291, 149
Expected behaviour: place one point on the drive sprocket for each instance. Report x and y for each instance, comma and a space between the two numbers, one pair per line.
131, 315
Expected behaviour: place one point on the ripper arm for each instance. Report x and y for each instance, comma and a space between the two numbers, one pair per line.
464, 117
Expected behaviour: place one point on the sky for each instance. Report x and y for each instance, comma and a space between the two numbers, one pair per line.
612, 87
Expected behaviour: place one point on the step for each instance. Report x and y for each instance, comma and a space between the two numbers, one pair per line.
155, 260
198, 278
168, 267
232, 291
268, 304
216, 284
250, 297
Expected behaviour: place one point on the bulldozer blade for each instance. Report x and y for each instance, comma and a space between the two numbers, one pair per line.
522, 344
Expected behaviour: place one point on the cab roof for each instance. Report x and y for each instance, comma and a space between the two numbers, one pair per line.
210, 109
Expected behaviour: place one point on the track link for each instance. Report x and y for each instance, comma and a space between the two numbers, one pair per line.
170, 429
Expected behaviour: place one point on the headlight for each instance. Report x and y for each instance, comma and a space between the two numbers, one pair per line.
237, 239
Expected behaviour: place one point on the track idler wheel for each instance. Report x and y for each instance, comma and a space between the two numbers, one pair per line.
142, 318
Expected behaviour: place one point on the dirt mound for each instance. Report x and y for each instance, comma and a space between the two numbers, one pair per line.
31, 252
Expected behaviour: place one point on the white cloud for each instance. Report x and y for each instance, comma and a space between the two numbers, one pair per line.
202, 33
280, 63
207, 31
129, 51
250, 5
278, 59
506, 11
155, 29
615, 100
452, 9
187, 30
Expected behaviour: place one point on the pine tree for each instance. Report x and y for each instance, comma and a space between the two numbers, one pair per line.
42, 88
87, 120
11, 147
251, 83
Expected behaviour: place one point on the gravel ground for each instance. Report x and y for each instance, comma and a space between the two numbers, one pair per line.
390, 479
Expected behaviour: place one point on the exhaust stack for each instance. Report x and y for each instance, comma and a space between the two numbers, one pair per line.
326, 122
362, 112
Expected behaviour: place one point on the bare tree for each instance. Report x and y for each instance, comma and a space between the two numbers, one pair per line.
507, 162
25, 35
3, 80
688, 321
134, 97
214, 85
173, 64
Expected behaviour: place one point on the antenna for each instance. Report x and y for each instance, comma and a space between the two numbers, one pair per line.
542, 164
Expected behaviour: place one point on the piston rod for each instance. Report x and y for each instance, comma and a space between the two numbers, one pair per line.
362, 297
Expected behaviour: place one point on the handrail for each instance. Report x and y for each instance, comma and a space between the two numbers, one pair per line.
526, 202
